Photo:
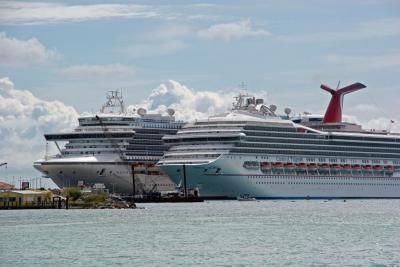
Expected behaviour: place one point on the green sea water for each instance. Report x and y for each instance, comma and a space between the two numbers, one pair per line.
214, 233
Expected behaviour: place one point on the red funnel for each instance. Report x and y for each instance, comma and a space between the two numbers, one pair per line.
334, 110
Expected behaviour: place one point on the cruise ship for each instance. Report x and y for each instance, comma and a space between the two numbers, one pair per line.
114, 148
253, 151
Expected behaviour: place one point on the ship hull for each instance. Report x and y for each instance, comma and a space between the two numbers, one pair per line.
227, 178
116, 176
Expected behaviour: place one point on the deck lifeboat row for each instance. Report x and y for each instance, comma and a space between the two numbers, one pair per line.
279, 167
148, 168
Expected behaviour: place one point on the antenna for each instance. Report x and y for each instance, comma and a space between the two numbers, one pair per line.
114, 102
243, 86
390, 125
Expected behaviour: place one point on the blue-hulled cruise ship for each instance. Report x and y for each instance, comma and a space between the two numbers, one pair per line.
253, 151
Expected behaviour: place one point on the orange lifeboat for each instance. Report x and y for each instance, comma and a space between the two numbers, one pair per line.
356, 167
290, 165
378, 168
336, 167
367, 167
277, 165
389, 168
139, 167
301, 166
312, 166
152, 168
324, 167
265, 165
347, 167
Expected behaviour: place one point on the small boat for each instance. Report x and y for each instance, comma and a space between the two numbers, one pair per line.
245, 197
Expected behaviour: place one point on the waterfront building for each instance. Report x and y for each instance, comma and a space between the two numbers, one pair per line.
25, 198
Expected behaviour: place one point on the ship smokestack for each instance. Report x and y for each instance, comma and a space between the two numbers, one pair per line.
334, 111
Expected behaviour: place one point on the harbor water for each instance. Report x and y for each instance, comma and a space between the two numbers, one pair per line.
213, 233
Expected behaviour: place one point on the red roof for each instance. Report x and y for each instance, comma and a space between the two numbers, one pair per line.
6, 186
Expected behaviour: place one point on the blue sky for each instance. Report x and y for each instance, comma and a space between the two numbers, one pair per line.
74, 51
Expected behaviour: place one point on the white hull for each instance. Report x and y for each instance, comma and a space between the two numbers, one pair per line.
114, 175
227, 178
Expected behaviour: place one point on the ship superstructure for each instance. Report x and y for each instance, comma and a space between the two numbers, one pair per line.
253, 151
108, 147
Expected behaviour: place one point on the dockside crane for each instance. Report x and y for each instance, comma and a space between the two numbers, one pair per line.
3, 164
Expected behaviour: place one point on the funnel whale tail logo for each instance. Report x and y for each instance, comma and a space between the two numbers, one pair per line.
333, 113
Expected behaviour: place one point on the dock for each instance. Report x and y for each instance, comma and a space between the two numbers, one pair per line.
160, 199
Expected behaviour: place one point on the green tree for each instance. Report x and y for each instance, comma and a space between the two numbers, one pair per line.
74, 193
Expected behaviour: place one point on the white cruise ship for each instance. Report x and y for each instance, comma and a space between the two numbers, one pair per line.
107, 146
252, 151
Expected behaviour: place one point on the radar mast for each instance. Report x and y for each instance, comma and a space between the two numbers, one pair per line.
114, 104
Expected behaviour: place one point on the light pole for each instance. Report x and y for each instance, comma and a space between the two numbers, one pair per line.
113, 188
184, 180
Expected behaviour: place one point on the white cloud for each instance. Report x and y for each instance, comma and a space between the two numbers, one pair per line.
369, 62
233, 30
24, 119
41, 12
188, 103
114, 70
21, 53
364, 108
368, 30
378, 123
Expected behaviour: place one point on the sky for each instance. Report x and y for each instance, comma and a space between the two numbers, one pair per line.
58, 59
